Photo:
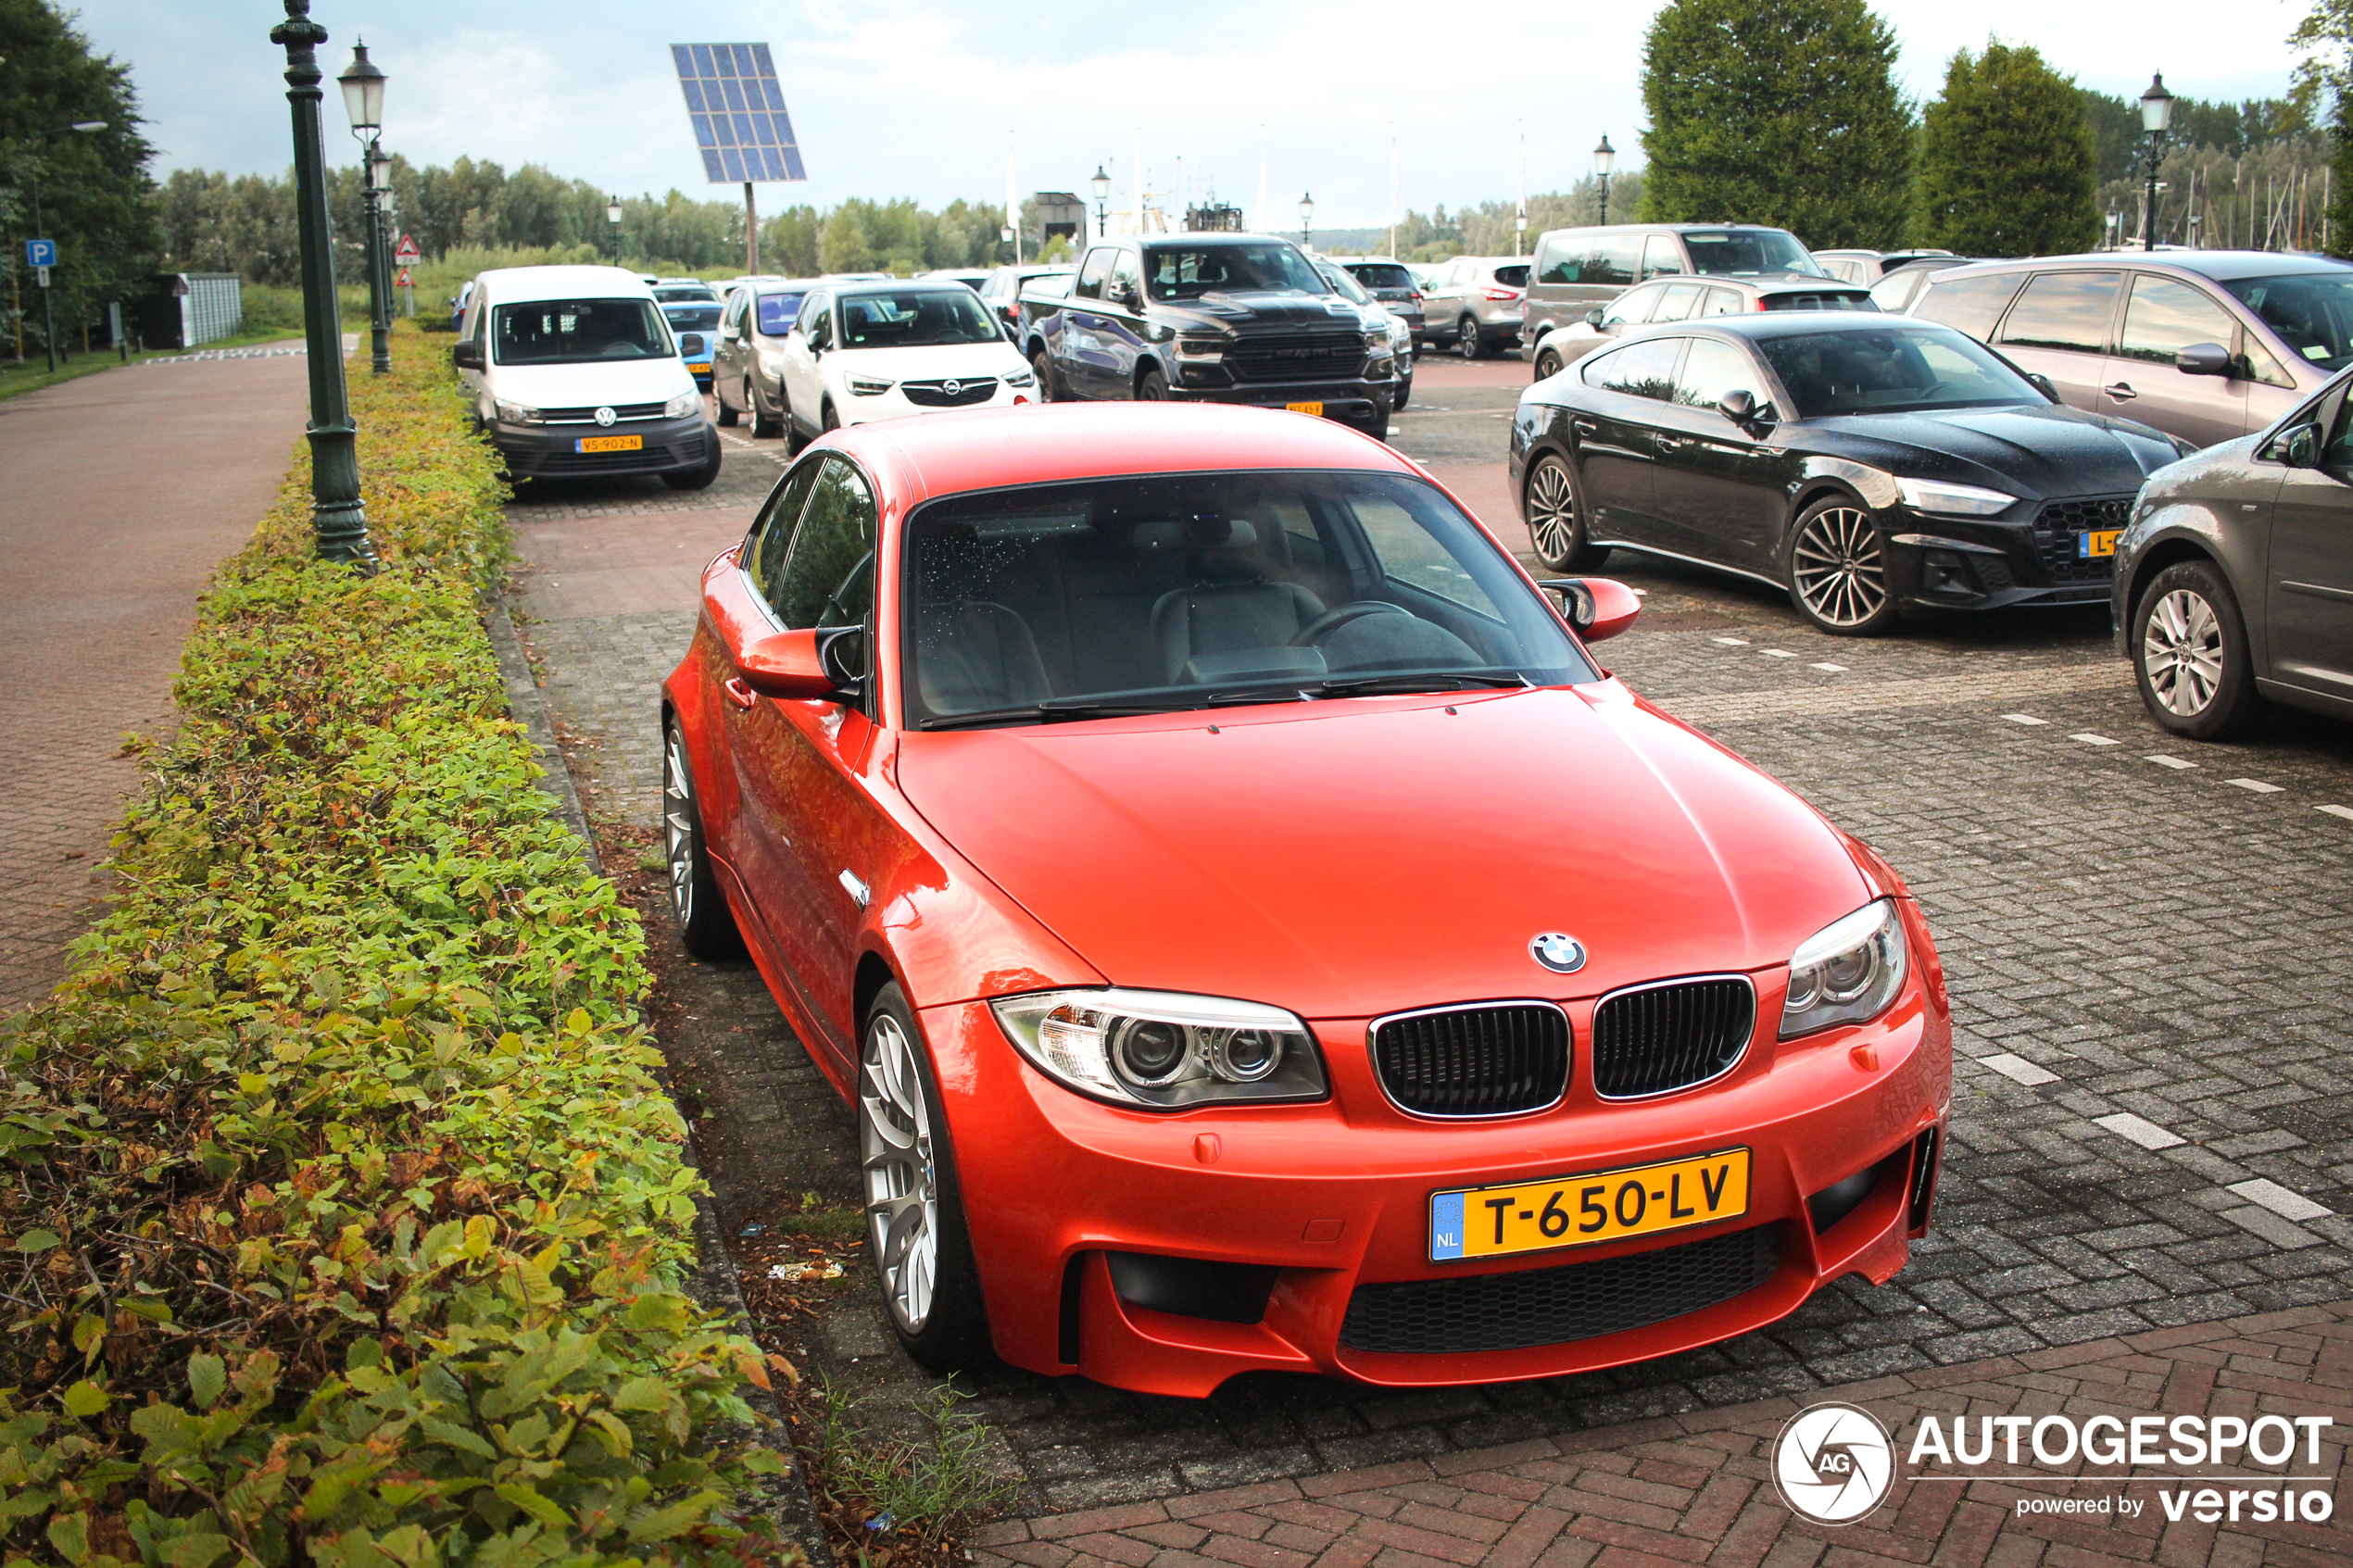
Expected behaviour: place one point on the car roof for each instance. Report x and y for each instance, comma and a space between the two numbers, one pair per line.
1048, 443
1787, 324
1656, 228
511, 285
2217, 265
896, 285
1761, 283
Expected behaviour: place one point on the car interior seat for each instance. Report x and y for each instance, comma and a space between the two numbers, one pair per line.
1231, 605
975, 656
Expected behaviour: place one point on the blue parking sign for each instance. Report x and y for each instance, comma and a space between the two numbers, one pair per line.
41, 253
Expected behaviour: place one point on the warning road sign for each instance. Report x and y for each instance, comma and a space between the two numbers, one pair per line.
406, 282
406, 254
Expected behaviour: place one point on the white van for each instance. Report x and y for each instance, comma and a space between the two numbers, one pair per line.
574, 371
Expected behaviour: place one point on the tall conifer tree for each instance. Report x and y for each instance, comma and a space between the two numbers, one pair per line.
2008, 165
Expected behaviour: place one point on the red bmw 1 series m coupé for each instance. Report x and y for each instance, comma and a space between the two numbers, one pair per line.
1256, 935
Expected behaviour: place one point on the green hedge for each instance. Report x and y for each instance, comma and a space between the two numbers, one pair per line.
347, 1222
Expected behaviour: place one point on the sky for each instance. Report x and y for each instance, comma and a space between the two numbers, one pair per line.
922, 98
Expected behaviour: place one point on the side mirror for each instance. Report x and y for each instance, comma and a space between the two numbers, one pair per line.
466, 356
1597, 607
1738, 406
1593, 317
788, 665
2300, 448
2043, 384
2203, 359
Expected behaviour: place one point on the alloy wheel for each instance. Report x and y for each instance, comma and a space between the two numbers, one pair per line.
679, 828
1551, 512
1467, 339
902, 1194
2181, 650
1837, 566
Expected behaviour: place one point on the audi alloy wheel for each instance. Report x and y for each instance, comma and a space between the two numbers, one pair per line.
1555, 518
1837, 571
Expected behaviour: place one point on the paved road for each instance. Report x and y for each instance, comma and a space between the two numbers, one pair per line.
2146, 941
121, 492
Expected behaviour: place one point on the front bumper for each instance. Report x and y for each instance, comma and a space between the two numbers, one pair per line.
894, 405
552, 451
1970, 563
1326, 1199
1348, 400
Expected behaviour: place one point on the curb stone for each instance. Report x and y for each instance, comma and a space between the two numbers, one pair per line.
785, 1499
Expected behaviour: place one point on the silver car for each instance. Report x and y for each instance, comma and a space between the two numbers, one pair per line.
2205, 345
1476, 303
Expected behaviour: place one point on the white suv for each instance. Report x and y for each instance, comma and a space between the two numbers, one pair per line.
864, 351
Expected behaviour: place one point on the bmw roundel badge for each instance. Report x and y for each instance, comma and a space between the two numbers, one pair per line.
1559, 953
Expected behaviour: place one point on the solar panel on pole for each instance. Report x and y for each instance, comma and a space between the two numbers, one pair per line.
741, 126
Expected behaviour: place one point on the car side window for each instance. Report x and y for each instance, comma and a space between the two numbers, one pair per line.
733, 319
1719, 302
1552, 262
1630, 309
2065, 310
1091, 276
1967, 304
2338, 452
2261, 367
817, 322
762, 558
829, 577
1126, 279
2165, 316
1639, 370
1676, 302
1661, 256
1713, 369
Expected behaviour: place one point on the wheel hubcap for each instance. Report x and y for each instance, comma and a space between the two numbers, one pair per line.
1838, 569
1551, 512
678, 827
1468, 341
2182, 651
902, 1197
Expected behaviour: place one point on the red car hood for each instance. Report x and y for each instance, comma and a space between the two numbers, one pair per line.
1365, 855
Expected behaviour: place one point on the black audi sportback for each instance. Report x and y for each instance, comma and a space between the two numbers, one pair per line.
1869, 466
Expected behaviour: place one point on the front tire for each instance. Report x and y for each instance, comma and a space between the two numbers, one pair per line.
763, 424
1405, 391
2190, 655
706, 926
1556, 518
1042, 365
1837, 571
1466, 342
727, 416
701, 476
1151, 386
1548, 365
915, 1229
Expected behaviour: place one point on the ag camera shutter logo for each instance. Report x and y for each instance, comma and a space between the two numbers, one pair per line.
1833, 1462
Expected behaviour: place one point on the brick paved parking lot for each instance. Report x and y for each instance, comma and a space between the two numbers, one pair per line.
2147, 940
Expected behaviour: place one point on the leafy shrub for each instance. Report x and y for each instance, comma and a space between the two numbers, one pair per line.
347, 1222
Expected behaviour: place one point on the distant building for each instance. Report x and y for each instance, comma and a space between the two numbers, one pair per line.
1216, 218
1061, 213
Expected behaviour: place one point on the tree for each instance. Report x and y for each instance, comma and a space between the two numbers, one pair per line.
97, 199
2323, 80
2007, 165
1785, 114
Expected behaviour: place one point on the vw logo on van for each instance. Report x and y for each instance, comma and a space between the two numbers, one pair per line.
604, 416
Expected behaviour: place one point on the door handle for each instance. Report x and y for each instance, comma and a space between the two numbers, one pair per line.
858, 891
2122, 392
1583, 427
739, 693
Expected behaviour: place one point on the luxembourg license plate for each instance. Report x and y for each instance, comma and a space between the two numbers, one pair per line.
609, 444
2088, 545
1304, 408
1582, 1210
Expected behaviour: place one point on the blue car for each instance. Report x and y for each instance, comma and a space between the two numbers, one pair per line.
695, 323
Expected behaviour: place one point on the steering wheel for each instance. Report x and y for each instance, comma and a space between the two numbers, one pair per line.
1323, 625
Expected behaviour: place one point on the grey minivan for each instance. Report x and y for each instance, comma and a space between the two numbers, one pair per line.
1577, 269
2207, 345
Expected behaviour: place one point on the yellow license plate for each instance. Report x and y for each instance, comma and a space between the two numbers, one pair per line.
1304, 408
2102, 544
1582, 1210
609, 444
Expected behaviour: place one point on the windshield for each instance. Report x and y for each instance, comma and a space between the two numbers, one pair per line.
1749, 250
913, 318
692, 318
1893, 371
678, 293
1185, 591
1267, 266
777, 312
1343, 284
2312, 313
1383, 275
565, 332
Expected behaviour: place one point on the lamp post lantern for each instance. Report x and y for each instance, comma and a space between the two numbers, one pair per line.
338, 519
363, 101
612, 217
1604, 160
1102, 200
2157, 113
48, 323
1307, 221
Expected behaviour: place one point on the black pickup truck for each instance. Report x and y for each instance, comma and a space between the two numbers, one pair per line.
1210, 317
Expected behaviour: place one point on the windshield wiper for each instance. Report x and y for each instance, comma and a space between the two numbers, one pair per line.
1413, 681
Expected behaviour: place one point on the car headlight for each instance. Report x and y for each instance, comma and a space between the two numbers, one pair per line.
1163, 1051
869, 386
772, 363
681, 405
1952, 500
517, 414
1846, 973
1020, 377
1205, 347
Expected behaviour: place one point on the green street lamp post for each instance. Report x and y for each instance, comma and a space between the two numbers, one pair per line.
363, 100
2156, 112
49, 322
1604, 160
612, 215
1307, 221
338, 520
